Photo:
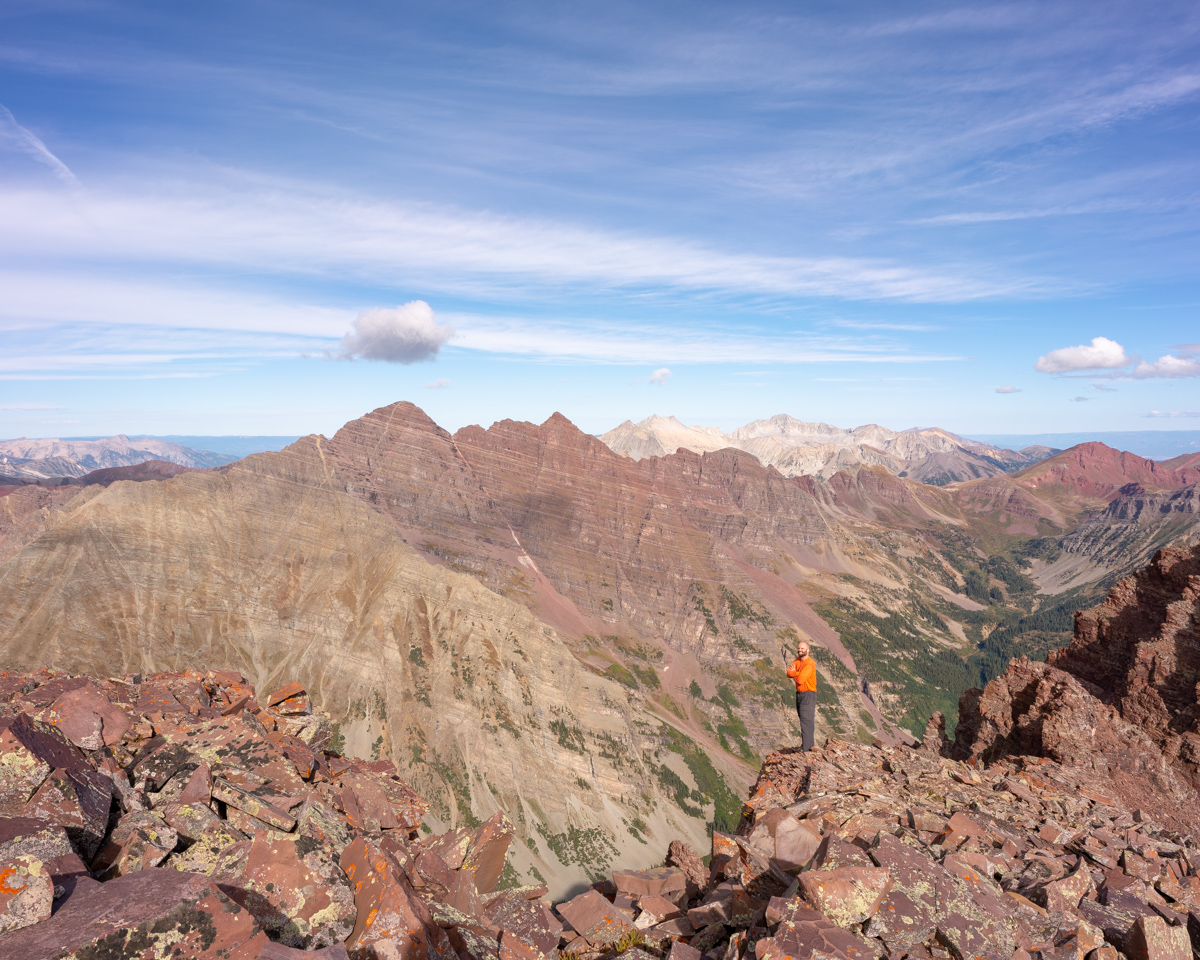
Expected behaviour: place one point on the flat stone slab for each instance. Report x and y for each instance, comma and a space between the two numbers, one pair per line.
148, 915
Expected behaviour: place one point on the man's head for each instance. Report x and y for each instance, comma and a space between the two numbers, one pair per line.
802, 650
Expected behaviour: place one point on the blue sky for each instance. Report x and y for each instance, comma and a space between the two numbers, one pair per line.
269, 218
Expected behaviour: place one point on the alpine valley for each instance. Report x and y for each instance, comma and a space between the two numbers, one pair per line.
587, 634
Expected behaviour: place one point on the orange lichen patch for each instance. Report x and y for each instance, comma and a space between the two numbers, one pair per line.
5, 875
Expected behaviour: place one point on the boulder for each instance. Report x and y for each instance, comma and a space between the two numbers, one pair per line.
390, 920
87, 718
140, 840
594, 918
148, 915
26, 893
848, 896
1152, 938
296, 890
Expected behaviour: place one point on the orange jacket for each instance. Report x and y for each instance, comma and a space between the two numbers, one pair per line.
804, 672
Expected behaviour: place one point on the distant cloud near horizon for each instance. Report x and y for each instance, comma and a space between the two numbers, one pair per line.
659, 376
1168, 367
1174, 414
439, 384
1102, 354
406, 334
1008, 389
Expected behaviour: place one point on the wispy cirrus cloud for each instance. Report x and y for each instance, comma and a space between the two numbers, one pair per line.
281, 228
29, 143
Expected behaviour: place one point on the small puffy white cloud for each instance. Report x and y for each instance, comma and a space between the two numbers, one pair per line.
1080, 399
405, 334
1008, 389
1168, 367
1103, 389
1174, 414
1101, 354
659, 376
438, 384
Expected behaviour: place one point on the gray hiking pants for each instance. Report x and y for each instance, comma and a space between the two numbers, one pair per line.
806, 709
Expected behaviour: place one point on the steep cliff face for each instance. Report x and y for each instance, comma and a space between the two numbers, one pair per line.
272, 570
1136, 524
1122, 699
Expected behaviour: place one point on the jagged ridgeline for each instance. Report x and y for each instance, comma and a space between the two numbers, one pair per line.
526, 621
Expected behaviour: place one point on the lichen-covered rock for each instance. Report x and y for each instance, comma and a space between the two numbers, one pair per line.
140, 840
295, 888
848, 896
26, 893
391, 921
148, 915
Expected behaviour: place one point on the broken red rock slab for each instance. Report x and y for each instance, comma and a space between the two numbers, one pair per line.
848, 896
285, 692
594, 918
78, 799
488, 852
29, 753
650, 883
143, 916
529, 920
391, 921
140, 840
249, 804
296, 890
277, 951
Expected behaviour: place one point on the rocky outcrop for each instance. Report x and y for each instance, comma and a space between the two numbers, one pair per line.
228, 829
1121, 700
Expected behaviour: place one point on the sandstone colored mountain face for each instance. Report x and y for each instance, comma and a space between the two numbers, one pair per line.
797, 448
42, 459
524, 619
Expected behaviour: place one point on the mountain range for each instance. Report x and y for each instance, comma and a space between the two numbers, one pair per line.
23, 460
524, 619
797, 448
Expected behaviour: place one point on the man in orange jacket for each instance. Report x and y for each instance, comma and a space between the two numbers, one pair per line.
804, 671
